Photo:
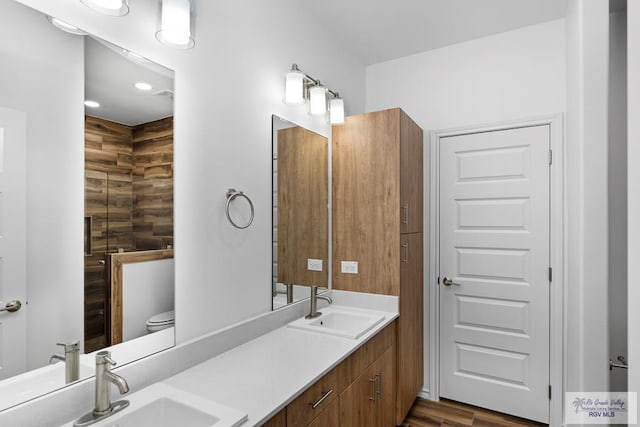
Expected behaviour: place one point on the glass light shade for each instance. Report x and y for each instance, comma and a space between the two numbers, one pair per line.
336, 111
294, 87
318, 100
175, 26
68, 28
108, 7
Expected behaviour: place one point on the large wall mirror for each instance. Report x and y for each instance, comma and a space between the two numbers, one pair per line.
300, 212
86, 203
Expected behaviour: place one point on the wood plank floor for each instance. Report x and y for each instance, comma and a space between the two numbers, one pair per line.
427, 413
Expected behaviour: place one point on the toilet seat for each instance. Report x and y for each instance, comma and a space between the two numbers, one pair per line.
161, 321
166, 318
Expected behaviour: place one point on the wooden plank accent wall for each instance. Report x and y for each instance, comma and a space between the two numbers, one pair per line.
108, 202
303, 217
153, 185
129, 203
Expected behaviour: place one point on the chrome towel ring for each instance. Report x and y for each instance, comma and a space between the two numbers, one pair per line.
232, 193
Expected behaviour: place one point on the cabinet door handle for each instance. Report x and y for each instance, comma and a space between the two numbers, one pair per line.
405, 208
373, 388
405, 258
319, 402
379, 383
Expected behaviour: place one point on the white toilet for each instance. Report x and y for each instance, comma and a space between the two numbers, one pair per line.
161, 321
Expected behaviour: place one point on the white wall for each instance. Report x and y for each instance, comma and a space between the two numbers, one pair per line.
147, 290
42, 75
587, 195
618, 195
517, 74
633, 191
227, 88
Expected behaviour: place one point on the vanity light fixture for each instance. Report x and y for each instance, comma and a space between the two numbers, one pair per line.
336, 110
67, 28
108, 7
294, 87
91, 104
175, 24
318, 99
145, 87
300, 87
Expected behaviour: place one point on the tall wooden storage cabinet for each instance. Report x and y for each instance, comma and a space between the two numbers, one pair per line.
377, 221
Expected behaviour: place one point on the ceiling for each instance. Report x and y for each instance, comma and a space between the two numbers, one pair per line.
110, 78
380, 30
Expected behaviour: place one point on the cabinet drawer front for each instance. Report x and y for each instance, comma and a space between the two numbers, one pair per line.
312, 402
278, 420
360, 360
330, 417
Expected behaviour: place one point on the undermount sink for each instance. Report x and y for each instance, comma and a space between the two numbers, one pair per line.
161, 405
342, 323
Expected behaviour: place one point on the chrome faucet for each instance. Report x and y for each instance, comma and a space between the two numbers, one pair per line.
313, 312
71, 359
104, 376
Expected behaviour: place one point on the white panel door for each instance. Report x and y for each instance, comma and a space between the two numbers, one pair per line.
13, 249
494, 252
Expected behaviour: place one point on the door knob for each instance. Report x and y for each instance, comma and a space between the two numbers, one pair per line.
12, 306
448, 282
102, 262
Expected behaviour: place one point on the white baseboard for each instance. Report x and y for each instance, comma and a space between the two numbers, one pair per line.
424, 393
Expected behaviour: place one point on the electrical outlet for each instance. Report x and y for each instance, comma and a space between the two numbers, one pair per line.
349, 267
314, 264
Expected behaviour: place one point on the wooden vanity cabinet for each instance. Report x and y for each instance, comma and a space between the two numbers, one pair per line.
278, 420
377, 217
348, 403
313, 401
370, 399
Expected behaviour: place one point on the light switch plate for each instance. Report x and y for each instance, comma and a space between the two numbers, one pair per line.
349, 267
314, 264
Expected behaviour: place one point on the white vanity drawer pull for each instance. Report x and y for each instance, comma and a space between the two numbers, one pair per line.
319, 402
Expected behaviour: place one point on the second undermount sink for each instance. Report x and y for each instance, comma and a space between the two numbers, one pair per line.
161, 405
343, 323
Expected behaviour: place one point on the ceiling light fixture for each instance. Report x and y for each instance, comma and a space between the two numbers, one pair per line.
67, 28
300, 87
135, 56
175, 25
108, 7
143, 86
91, 104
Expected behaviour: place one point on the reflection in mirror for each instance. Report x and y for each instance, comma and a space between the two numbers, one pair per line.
300, 212
128, 196
125, 149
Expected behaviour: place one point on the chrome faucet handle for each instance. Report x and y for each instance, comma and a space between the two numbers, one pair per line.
104, 357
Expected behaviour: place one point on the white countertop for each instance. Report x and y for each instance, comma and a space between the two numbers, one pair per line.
263, 375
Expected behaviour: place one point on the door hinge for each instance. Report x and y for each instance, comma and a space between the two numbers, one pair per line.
549, 392
550, 156
550, 274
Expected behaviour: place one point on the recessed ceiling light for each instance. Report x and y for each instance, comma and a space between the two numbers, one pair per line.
108, 7
67, 28
91, 104
143, 86
134, 56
